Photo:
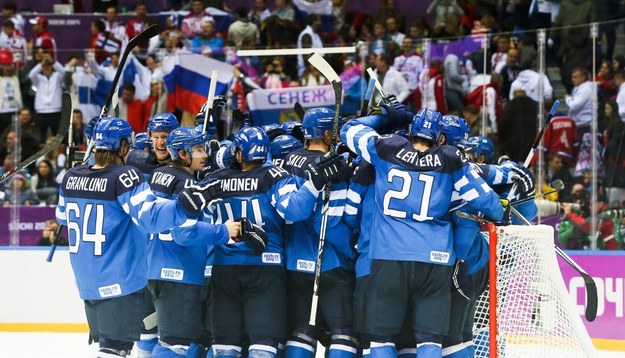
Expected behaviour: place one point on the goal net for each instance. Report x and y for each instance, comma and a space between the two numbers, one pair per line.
535, 316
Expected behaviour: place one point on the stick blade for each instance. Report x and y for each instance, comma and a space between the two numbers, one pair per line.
557, 184
324, 67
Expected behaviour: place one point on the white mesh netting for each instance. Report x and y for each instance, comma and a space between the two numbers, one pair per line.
536, 316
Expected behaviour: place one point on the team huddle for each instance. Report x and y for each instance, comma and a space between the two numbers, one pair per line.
219, 241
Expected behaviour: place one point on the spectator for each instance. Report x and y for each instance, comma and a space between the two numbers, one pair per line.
47, 77
613, 156
352, 80
518, 126
380, 38
575, 44
137, 25
57, 158
528, 82
48, 235
419, 29
339, 11
284, 10
619, 82
19, 192
13, 40
192, 23
259, 12
472, 116
157, 101
618, 63
131, 109
242, 29
10, 93
155, 68
112, 25
274, 76
558, 170
102, 42
454, 84
410, 65
433, 87
22, 148
106, 70
78, 129
443, 9
312, 77
308, 38
9, 12
510, 71
44, 185
392, 81
29, 128
392, 29
208, 43
605, 80
580, 101
498, 59
561, 137
43, 38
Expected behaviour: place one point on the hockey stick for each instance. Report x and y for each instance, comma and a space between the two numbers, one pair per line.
378, 85
299, 110
591, 286
210, 99
66, 115
328, 72
368, 95
134, 42
539, 138
557, 186
66, 122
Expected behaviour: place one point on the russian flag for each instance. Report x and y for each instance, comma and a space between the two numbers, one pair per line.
187, 77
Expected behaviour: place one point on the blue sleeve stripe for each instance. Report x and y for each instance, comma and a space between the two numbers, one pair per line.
287, 189
188, 222
461, 183
338, 194
61, 201
350, 210
353, 196
335, 211
147, 205
140, 197
61, 217
126, 208
470, 195
485, 187
362, 144
349, 137
310, 187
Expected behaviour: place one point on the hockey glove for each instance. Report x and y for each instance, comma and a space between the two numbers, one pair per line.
523, 179
325, 169
253, 235
394, 116
195, 198
274, 132
90, 127
241, 118
219, 104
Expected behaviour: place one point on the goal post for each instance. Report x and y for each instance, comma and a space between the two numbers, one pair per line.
527, 310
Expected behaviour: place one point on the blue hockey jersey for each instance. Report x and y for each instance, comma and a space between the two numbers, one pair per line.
302, 239
413, 194
359, 209
143, 160
267, 196
108, 213
179, 257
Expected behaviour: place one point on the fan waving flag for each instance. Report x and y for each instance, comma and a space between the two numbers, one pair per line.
188, 76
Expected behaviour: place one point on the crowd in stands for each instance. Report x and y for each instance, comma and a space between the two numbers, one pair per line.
501, 89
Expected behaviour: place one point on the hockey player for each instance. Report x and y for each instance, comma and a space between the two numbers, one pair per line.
176, 263
107, 209
141, 155
249, 284
471, 275
282, 146
411, 246
159, 127
301, 246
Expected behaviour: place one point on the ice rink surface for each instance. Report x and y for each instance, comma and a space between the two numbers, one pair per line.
74, 345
